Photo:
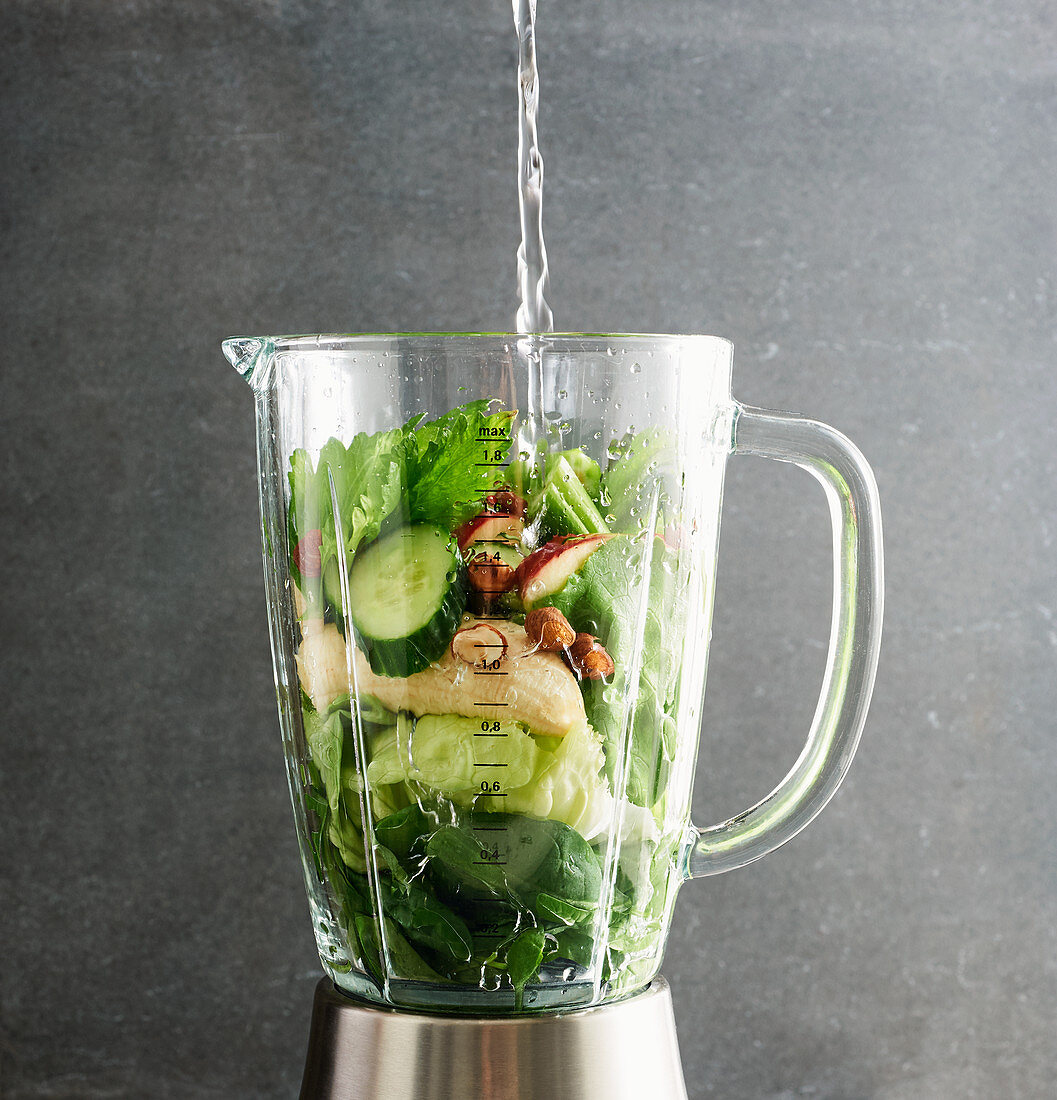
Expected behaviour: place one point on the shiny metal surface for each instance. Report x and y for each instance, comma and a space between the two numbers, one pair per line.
622, 1051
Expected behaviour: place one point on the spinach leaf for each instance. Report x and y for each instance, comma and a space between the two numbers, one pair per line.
426, 921
576, 945
523, 959
404, 960
543, 866
404, 834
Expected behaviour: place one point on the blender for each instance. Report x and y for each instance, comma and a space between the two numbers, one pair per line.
489, 564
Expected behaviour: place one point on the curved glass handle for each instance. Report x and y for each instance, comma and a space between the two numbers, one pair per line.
855, 639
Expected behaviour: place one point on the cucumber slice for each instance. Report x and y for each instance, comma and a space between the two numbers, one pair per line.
407, 593
332, 591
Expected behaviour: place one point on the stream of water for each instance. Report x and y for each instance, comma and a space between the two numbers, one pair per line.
533, 315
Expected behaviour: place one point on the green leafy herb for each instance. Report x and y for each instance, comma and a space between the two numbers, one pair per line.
452, 463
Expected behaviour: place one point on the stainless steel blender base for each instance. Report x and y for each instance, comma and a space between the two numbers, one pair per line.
621, 1051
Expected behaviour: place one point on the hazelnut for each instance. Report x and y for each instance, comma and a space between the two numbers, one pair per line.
589, 658
490, 575
549, 629
479, 644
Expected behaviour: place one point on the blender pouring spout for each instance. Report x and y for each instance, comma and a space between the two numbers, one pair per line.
250, 356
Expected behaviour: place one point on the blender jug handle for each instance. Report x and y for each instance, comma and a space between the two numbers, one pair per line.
855, 638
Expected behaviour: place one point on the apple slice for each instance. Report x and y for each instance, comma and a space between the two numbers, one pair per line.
546, 570
501, 519
490, 527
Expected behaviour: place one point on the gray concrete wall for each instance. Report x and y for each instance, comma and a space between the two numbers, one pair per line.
860, 194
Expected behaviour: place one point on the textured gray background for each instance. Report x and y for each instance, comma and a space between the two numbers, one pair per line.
860, 194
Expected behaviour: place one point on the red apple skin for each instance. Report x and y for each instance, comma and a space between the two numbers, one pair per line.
490, 527
546, 570
505, 503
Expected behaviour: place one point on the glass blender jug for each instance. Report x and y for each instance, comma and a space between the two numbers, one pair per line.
490, 564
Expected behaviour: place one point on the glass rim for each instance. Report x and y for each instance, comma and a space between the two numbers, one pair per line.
306, 341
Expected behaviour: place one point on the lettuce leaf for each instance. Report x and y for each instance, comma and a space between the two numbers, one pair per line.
605, 598
638, 472
440, 752
326, 737
569, 785
365, 479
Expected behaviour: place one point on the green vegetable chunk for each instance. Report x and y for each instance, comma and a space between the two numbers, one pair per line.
566, 505
586, 469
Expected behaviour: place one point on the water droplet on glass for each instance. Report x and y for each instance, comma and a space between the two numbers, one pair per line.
636, 368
